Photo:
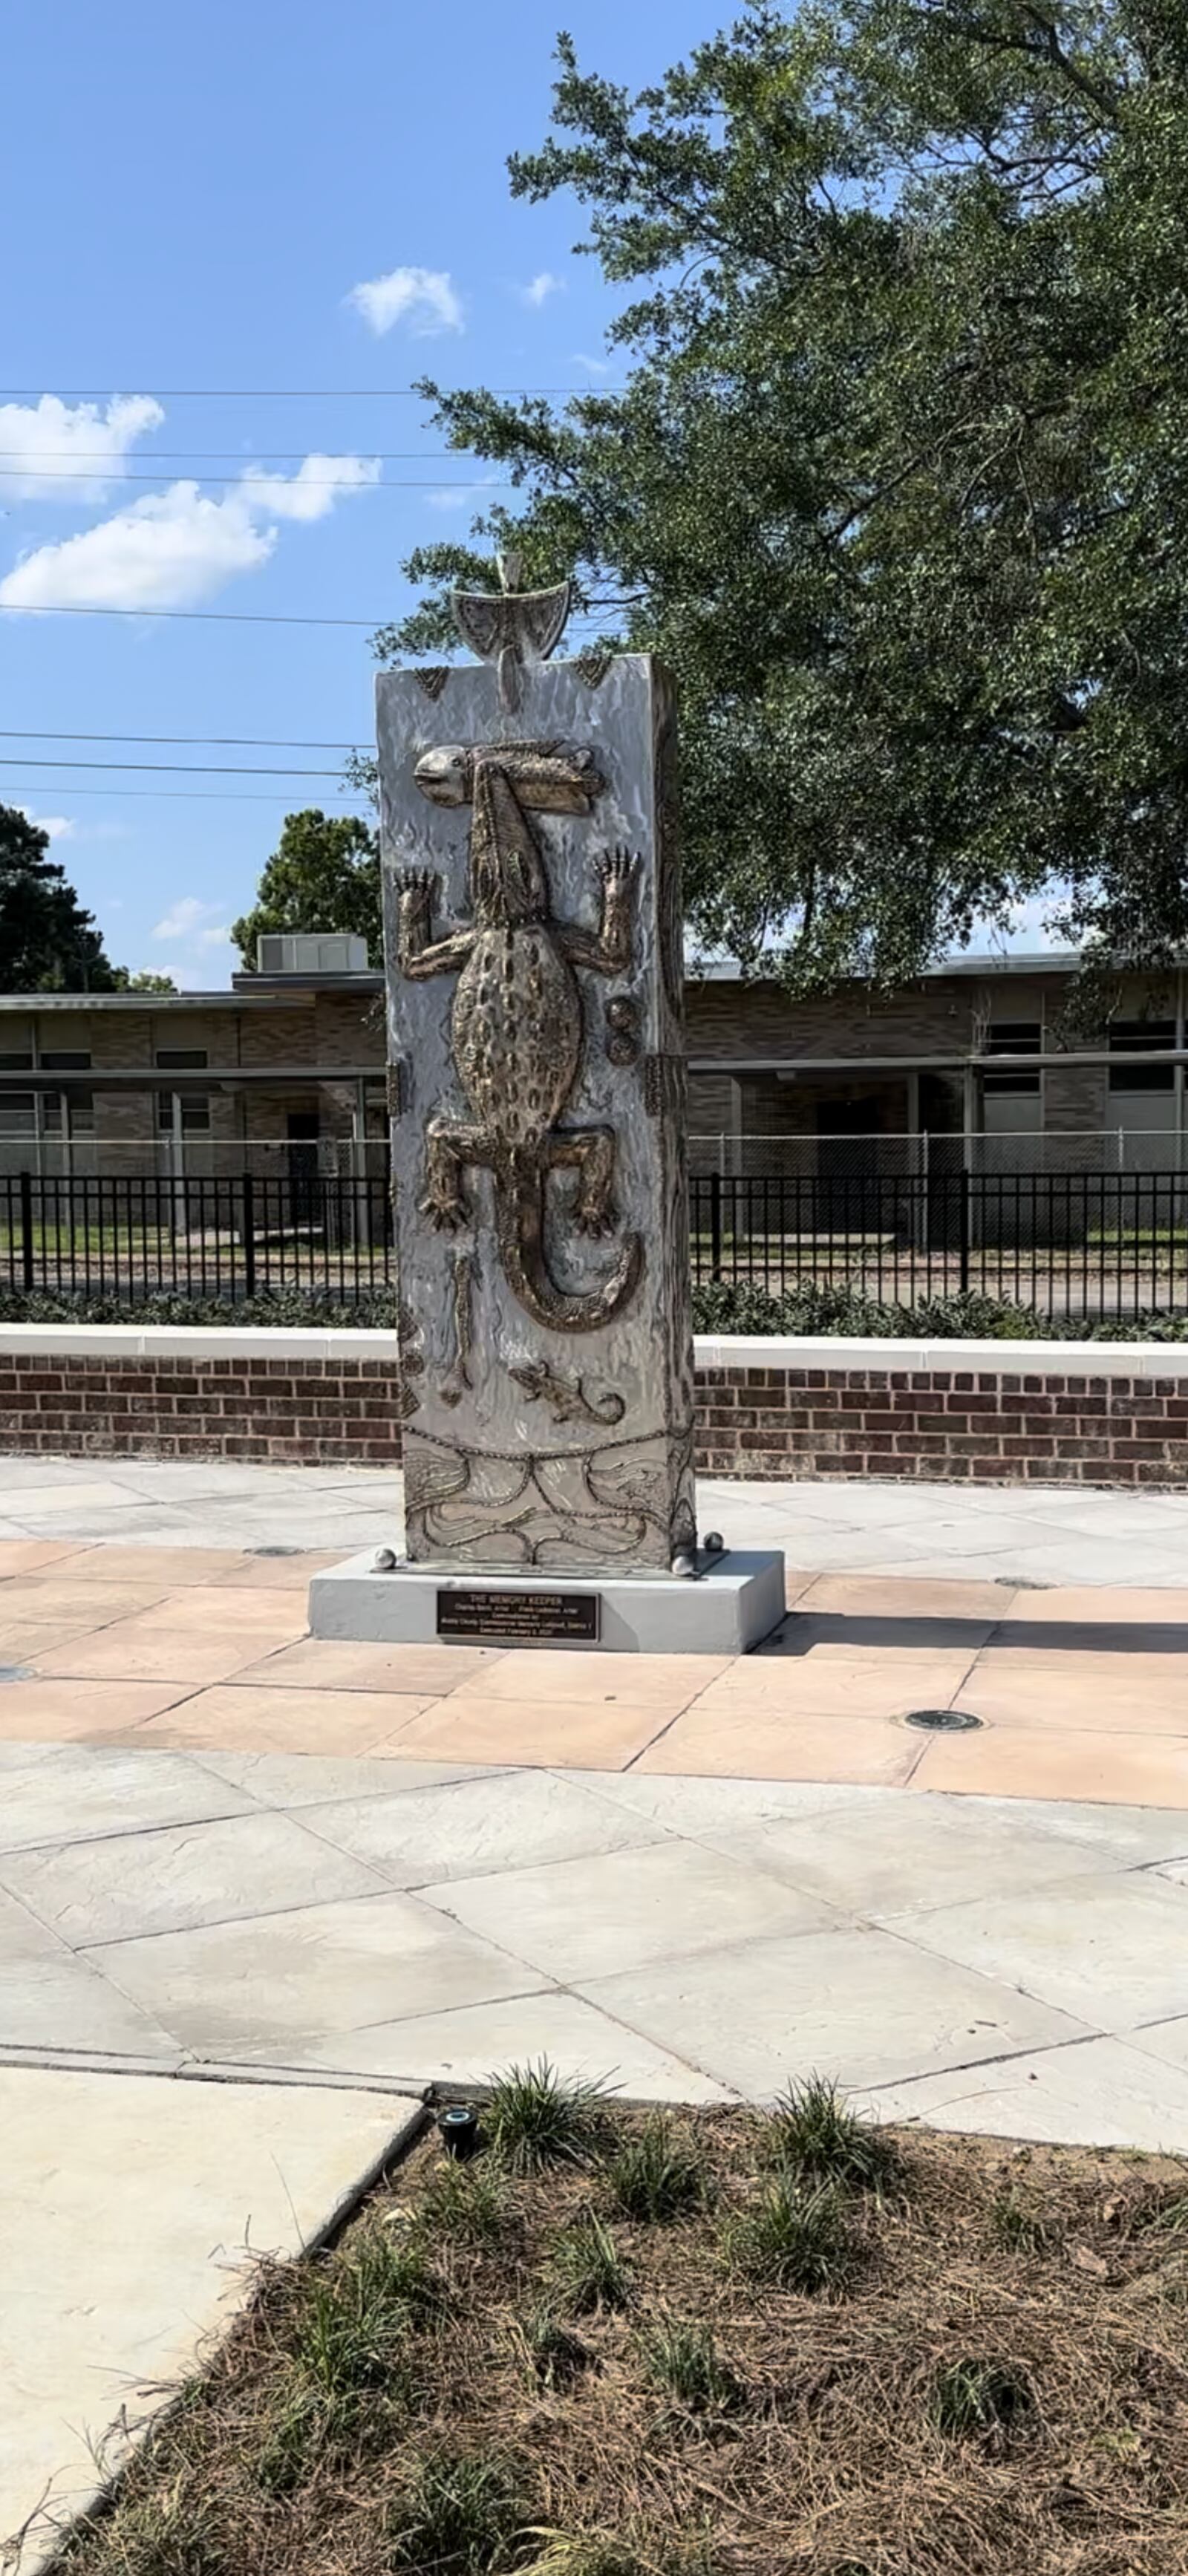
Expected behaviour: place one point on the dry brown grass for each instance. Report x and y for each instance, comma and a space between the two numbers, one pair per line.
369, 2413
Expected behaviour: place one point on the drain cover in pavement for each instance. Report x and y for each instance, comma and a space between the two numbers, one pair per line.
942, 1721
275, 1551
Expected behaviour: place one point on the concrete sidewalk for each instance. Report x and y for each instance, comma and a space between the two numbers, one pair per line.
1016, 1533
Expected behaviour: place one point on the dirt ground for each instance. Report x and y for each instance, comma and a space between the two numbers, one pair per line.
492, 2371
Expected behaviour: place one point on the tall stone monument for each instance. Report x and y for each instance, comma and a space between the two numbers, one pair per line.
534, 967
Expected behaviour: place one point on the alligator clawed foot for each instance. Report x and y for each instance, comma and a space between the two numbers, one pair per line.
446, 1214
595, 1221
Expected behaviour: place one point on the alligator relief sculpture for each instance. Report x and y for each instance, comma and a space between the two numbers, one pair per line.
517, 1026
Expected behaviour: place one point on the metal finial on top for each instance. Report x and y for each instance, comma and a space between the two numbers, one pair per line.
512, 628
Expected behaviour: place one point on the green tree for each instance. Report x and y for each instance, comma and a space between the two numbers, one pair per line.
324, 875
898, 484
48, 943
124, 981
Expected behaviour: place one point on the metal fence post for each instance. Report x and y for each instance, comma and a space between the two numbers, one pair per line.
248, 1235
26, 1229
963, 1209
715, 1182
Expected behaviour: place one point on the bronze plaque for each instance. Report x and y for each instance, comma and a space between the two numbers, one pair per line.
519, 1618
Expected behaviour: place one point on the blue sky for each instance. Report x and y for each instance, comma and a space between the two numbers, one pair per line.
258, 196
187, 203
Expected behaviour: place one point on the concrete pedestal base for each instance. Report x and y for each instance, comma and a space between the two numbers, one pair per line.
735, 1602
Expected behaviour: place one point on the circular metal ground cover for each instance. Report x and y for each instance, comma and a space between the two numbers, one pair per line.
942, 1721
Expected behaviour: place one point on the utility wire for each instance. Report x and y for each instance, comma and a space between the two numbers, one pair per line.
237, 456
181, 768
224, 741
205, 616
188, 795
309, 483
279, 393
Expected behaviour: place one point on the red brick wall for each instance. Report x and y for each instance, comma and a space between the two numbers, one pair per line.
987, 1425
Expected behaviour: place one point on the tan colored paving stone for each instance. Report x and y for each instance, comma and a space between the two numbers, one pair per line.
238, 1720
278, 1615
1103, 1602
60, 1597
764, 1684
775, 1744
590, 1736
328, 1663
875, 1596
575, 1679
279, 1573
128, 1652
1059, 1762
25, 1555
21, 1639
117, 1563
1114, 1702
74, 1712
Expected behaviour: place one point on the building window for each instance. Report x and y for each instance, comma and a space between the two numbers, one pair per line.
65, 1060
68, 1113
1014, 1037
1141, 1037
1010, 1086
181, 1059
192, 1113
22, 1063
1132, 1078
18, 1114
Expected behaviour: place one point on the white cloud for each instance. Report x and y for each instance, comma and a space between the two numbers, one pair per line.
175, 549
58, 827
425, 298
46, 446
540, 287
191, 919
312, 491
593, 366
459, 496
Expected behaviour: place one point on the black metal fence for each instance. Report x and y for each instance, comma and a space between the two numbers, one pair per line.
1065, 1243
129, 1238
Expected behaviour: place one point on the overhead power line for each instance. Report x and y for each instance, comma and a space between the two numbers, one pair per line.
181, 768
280, 393
205, 616
189, 795
223, 741
307, 483
236, 456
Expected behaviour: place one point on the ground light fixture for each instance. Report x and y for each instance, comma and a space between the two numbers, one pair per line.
942, 1721
457, 2127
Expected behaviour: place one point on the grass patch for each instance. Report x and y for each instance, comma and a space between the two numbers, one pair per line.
683, 2359
791, 2236
657, 2175
533, 2119
531, 2377
587, 2270
459, 2515
981, 2398
815, 2138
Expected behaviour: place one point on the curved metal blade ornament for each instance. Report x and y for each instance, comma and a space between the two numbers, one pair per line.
512, 628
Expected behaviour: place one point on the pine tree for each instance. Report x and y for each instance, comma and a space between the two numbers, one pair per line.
48, 942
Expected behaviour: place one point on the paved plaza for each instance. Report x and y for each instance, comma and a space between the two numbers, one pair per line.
257, 1889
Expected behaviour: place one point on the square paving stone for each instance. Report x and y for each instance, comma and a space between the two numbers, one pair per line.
857, 2006
586, 1918
260, 1989
313, 1779
49, 1999
928, 1852
56, 1793
1097, 2093
1111, 1949
505, 1821
481, 2040
164, 1881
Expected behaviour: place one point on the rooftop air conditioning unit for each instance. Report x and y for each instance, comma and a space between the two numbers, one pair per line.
315, 952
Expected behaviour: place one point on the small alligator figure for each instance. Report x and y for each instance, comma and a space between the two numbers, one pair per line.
517, 1017
565, 1397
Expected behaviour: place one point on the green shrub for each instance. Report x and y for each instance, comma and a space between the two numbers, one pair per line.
980, 2397
587, 2269
815, 2138
534, 2120
791, 2238
656, 2176
683, 2359
458, 2515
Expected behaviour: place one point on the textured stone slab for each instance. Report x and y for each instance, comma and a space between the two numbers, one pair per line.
535, 986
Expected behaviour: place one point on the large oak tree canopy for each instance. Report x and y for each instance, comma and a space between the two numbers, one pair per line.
899, 481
